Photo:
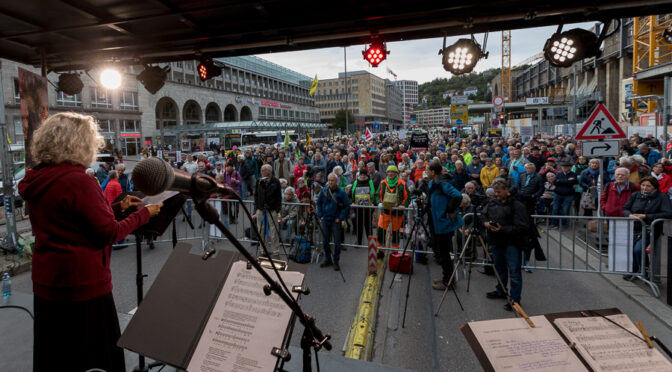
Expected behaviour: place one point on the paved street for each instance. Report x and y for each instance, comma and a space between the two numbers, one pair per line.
427, 343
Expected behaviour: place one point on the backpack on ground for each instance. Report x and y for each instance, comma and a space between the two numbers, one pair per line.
301, 252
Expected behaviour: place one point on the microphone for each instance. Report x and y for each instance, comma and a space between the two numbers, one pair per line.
153, 176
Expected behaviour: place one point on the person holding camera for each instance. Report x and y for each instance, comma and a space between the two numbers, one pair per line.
506, 219
333, 207
267, 203
444, 199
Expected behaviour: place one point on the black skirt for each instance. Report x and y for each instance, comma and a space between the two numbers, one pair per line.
77, 336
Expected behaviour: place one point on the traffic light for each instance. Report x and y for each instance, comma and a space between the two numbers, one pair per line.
502, 119
375, 53
208, 70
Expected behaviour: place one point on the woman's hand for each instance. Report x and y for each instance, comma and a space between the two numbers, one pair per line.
154, 209
130, 201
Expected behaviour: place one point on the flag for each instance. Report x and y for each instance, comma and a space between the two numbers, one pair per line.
286, 139
313, 86
308, 139
9, 141
368, 136
332, 134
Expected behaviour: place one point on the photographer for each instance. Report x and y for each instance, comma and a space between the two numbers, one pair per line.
506, 219
333, 206
444, 200
267, 203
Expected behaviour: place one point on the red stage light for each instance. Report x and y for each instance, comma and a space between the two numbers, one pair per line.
375, 54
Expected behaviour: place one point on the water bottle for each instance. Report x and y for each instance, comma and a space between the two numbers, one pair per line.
6, 286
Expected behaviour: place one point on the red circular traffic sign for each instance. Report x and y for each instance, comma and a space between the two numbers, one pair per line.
498, 101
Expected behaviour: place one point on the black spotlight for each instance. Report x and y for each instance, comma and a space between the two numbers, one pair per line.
208, 70
564, 48
461, 57
70, 84
153, 78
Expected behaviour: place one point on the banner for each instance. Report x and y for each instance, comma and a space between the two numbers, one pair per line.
420, 140
34, 107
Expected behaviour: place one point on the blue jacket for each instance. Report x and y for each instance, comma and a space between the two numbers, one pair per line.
327, 204
588, 177
652, 158
564, 183
515, 174
471, 169
444, 199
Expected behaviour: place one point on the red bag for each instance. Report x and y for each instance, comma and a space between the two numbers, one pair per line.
399, 264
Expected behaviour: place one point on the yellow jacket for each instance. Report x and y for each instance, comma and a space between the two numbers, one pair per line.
488, 175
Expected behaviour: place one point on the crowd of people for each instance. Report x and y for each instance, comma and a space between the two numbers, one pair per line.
355, 186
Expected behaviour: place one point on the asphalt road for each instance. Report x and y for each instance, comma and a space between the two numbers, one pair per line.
426, 343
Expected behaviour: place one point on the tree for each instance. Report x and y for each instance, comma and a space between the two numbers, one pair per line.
339, 121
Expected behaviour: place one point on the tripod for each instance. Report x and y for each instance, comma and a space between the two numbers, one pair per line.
277, 230
314, 219
475, 232
415, 230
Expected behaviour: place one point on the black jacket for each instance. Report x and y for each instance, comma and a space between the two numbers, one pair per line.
564, 183
459, 179
655, 205
511, 216
533, 188
268, 194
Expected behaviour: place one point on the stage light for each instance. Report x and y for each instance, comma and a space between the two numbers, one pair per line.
461, 57
208, 70
110, 78
70, 84
564, 48
153, 78
375, 53
667, 35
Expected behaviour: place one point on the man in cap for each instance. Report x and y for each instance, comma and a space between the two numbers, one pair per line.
393, 196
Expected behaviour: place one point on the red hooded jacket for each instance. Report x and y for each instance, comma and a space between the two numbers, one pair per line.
74, 229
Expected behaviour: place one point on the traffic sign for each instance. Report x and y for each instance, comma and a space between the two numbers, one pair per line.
600, 125
498, 101
458, 121
494, 122
601, 148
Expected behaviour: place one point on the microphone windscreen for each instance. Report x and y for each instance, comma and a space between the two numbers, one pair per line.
152, 176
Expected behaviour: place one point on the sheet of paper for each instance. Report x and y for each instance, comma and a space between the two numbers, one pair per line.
620, 245
158, 198
512, 345
244, 325
606, 347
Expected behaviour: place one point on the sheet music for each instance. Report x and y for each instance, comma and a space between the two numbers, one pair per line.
244, 325
158, 198
512, 345
606, 347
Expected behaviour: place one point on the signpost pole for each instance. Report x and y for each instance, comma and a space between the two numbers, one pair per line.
599, 190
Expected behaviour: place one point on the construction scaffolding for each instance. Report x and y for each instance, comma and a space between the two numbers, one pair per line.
649, 49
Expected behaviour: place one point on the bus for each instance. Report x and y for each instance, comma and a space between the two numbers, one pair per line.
250, 139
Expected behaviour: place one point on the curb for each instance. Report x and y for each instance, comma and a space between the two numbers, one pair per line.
642, 297
360, 339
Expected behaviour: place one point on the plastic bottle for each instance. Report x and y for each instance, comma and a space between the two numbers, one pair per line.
6, 285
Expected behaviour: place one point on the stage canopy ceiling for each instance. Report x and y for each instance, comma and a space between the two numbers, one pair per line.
80, 34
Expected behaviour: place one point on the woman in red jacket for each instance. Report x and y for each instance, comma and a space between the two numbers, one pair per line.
664, 180
113, 187
76, 326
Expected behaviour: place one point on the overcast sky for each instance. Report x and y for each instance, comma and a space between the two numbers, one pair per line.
414, 60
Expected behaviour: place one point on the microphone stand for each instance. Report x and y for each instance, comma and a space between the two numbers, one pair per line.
312, 336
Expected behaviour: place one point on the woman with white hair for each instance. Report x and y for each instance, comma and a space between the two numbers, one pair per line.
75, 326
342, 181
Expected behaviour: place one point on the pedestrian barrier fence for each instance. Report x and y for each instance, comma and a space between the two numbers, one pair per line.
604, 245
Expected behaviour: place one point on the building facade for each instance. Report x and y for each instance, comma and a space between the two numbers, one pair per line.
433, 117
367, 99
185, 110
409, 91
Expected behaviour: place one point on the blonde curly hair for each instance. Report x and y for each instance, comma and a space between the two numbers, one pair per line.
67, 137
